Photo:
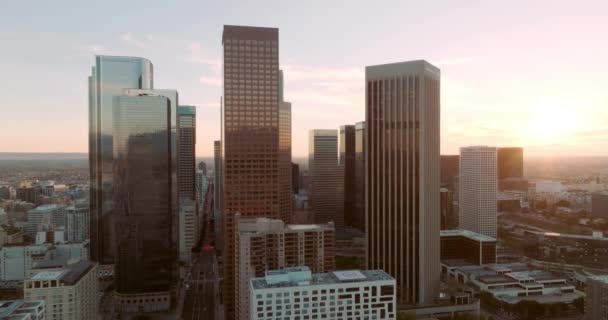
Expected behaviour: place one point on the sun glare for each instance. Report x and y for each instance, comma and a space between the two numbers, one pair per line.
550, 123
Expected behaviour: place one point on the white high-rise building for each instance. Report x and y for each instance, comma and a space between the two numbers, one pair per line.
188, 225
46, 217
296, 293
77, 223
402, 214
478, 184
69, 293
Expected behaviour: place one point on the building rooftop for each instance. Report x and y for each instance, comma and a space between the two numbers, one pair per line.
602, 278
70, 275
467, 234
301, 276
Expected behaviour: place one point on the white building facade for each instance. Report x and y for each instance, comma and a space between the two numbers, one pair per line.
296, 293
478, 184
188, 227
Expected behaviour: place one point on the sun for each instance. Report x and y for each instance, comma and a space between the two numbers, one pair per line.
550, 123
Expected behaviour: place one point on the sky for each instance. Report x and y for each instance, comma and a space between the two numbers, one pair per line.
513, 73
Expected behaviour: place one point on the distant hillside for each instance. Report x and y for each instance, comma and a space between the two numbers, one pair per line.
43, 156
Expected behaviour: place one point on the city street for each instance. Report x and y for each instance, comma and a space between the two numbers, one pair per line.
201, 295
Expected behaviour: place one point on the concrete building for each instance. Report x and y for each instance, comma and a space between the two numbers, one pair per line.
69, 294
326, 194
548, 186
77, 223
449, 218
347, 145
10, 235
514, 282
46, 217
599, 204
186, 164
596, 302
295, 178
16, 261
264, 244
478, 190
251, 164
359, 215
188, 228
22, 310
285, 175
402, 176
450, 167
467, 246
29, 194
297, 293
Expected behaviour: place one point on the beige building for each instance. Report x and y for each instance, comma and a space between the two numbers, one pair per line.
402, 176
188, 227
265, 244
69, 293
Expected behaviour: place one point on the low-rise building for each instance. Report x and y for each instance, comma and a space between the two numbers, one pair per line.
22, 310
296, 293
70, 293
473, 247
10, 235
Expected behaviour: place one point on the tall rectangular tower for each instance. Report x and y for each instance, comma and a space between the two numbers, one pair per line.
326, 177
186, 130
145, 210
402, 176
478, 186
285, 197
109, 77
250, 162
359, 215
347, 163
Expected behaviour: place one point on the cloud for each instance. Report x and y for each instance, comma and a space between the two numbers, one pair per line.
197, 54
131, 40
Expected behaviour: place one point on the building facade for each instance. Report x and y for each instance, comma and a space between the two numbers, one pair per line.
285, 183
599, 204
186, 130
297, 293
510, 162
326, 194
596, 302
47, 217
22, 310
77, 223
478, 190
145, 210
449, 170
109, 77
359, 216
251, 164
188, 228
402, 176
347, 163
465, 245
265, 244
69, 294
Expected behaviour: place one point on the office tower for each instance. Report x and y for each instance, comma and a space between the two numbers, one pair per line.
109, 77
472, 247
217, 177
295, 178
448, 218
297, 292
264, 244
449, 170
29, 194
599, 204
251, 170
188, 228
359, 216
478, 188
186, 130
201, 187
596, 301
23, 310
326, 195
145, 190
202, 166
347, 163
285, 195
68, 293
402, 176
77, 223
510, 163
46, 217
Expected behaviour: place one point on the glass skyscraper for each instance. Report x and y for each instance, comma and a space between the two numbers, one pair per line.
144, 188
109, 77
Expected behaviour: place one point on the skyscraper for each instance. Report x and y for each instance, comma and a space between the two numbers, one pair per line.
510, 162
285, 195
186, 129
109, 77
402, 176
478, 187
359, 216
326, 196
145, 186
347, 163
295, 177
449, 170
217, 176
251, 167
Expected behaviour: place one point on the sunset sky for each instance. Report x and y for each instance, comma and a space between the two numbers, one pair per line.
516, 73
